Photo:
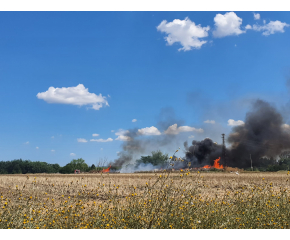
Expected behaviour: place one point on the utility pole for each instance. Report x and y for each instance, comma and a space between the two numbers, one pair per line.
224, 150
251, 162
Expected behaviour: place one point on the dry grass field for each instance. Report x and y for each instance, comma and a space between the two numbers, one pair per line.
145, 200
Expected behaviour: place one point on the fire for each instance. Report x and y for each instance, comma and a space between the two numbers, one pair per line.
106, 170
215, 164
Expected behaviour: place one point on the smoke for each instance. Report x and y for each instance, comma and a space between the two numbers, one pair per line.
141, 145
201, 152
166, 118
130, 168
130, 148
263, 134
136, 147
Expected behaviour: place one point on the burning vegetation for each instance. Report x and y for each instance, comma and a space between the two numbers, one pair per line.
263, 136
215, 164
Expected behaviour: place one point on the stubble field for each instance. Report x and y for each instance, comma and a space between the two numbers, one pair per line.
148, 200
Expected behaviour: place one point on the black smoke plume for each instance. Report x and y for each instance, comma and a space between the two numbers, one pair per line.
262, 135
202, 152
130, 148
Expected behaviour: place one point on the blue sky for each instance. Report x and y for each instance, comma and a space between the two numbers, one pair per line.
67, 75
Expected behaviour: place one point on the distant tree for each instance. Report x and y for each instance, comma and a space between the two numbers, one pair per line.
16, 169
79, 164
27, 166
68, 168
93, 167
156, 158
55, 167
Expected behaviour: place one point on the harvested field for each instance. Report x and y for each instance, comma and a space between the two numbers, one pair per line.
145, 200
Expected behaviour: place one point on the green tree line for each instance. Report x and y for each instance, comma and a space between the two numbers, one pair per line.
26, 166
20, 166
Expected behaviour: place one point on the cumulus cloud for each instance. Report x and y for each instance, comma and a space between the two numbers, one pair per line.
102, 140
78, 95
134, 120
72, 154
95, 135
149, 131
227, 25
122, 135
210, 121
232, 122
123, 138
82, 140
184, 32
286, 126
37, 147
271, 28
173, 129
248, 27
257, 16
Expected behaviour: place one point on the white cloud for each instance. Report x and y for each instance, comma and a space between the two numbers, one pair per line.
72, 154
173, 129
82, 140
257, 16
122, 135
37, 147
149, 131
184, 32
286, 126
191, 136
112, 130
27, 142
52, 137
227, 25
78, 95
102, 140
271, 28
52, 150
210, 121
232, 122
134, 120
248, 27
123, 138
101, 149
95, 135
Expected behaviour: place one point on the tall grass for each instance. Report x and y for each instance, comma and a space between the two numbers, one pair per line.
163, 201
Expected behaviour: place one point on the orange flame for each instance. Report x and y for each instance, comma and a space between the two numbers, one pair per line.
106, 170
215, 164
207, 166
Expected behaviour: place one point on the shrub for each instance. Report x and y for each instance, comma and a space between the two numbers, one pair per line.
156, 158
